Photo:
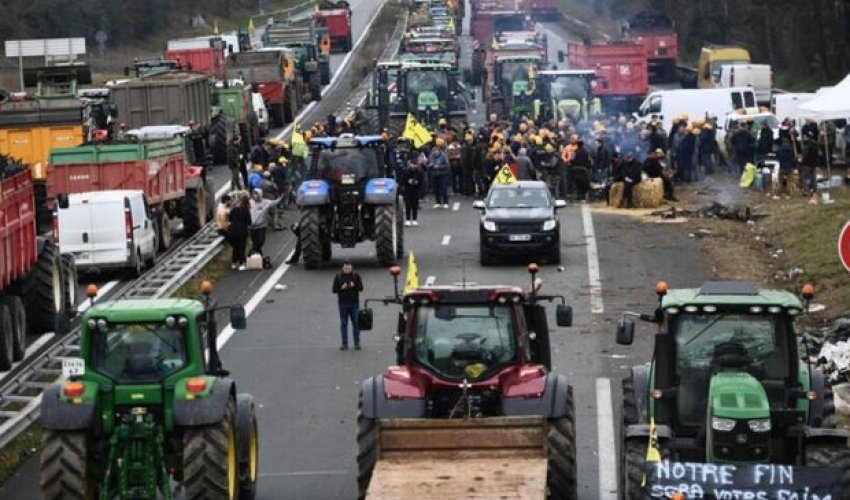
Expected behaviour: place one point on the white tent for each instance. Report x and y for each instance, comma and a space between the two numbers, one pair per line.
832, 104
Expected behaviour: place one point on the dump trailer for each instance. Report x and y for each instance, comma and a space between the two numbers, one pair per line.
311, 62
146, 408
159, 168
271, 72
452, 419
728, 390
336, 17
622, 81
163, 98
657, 32
37, 284
208, 60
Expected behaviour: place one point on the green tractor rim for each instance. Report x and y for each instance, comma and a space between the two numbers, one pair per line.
232, 472
253, 453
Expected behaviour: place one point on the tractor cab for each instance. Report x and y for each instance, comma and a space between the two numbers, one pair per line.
347, 160
566, 94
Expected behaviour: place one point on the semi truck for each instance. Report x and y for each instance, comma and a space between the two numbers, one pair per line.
336, 17
622, 80
271, 72
656, 31
37, 284
207, 59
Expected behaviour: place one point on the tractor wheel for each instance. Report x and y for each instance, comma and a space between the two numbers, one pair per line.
630, 409
385, 234
831, 455
249, 446
311, 238
290, 104
367, 449
399, 223
325, 70
18, 325
63, 473
247, 137
315, 87
561, 478
7, 338
210, 459
69, 277
195, 209
164, 228
632, 469
43, 290
828, 418
218, 138
327, 250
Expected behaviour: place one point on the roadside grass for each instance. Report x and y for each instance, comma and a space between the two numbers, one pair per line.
795, 82
213, 271
19, 451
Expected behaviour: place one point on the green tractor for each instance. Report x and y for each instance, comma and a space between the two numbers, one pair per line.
726, 390
143, 406
233, 114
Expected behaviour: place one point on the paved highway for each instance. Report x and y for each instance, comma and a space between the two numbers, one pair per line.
307, 389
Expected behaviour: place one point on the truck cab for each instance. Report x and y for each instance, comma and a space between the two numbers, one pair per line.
712, 58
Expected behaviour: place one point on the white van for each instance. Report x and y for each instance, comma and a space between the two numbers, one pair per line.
696, 103
107, 230
757, 76
788, 106
261, 112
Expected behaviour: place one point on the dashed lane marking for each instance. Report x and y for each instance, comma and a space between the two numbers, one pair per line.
446, 239
596, 306
455, 206
430, 280
606, 445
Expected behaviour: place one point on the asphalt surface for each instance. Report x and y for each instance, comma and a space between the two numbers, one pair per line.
306, 388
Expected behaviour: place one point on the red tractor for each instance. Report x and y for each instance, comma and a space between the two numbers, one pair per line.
472, 390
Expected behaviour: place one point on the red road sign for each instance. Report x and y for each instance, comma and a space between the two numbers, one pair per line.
844, 246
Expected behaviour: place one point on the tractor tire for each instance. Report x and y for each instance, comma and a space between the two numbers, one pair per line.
247, 137
367, 449
315, 87
195, 209
218, 138
276, 114
828, 417
311, 238
70, 278
561, 444
399, 222
18, 326
632, 468
63, 473
43, 291
248, 444
163, 226
385, 234
290, 105
325, 72
630, 408
210, 459
7, 338
327, 250
831, 455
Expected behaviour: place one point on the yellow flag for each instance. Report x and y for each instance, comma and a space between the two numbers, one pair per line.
412, 280
452, 24
495, 44
251, 26
298, 144
215, 27
417, 133
653, 454
505, 176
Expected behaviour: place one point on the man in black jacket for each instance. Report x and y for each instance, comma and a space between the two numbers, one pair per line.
347, 287
632, 173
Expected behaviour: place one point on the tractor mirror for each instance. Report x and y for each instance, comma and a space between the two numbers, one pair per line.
560, 56
238, 319
625, 331
62, 200
564, 315
364, 319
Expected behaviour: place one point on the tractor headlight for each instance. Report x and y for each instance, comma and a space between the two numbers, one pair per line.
170, 321
182, 321
722, 424
760, 425
101, 324
489, 225
549, 224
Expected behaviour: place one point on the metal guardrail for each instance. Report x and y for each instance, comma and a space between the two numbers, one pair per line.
22, 388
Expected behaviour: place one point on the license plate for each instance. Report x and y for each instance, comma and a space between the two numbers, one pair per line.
72, 367
520, 237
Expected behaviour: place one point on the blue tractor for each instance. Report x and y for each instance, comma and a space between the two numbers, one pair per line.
348, 199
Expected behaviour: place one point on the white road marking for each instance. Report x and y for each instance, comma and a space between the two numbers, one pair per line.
100, 292
306, 473
596, 306
32, 348
456, 206
606, 445
446, 239
430, 280
256, 299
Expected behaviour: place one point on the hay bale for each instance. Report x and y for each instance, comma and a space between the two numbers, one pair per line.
792, 185
649, 193
615, 195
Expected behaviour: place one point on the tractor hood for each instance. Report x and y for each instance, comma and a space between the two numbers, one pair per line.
737, 395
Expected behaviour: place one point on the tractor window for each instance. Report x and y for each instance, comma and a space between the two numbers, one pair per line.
568, 88
133, 353
340, 164
464, 341
432, 82
706, 344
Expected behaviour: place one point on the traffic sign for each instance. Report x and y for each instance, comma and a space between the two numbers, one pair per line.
844, 246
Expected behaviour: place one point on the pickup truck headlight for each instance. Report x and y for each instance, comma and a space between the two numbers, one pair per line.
550, 224
489, 225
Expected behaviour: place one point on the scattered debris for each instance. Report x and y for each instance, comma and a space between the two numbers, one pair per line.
715, 210
794, 273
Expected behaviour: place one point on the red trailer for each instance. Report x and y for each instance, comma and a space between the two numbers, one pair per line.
336, 17
36, 283
622, 81
208, 60
543, 10
657, 32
